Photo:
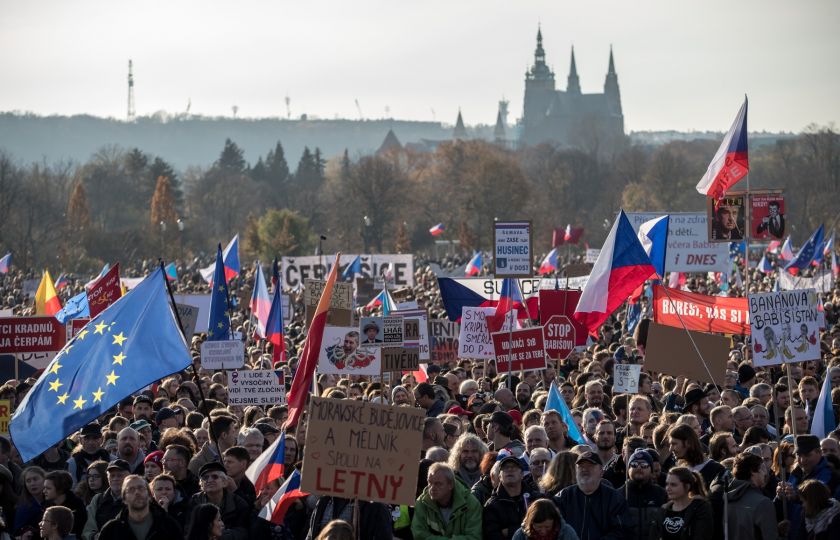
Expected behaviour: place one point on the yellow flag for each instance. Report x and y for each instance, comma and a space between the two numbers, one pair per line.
46, 299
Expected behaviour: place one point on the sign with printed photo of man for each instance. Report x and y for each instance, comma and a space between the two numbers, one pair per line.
726, 218
767, 216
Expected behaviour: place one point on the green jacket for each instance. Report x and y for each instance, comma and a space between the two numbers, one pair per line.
464, 522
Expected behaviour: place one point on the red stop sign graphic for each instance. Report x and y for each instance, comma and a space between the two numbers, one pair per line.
559, 337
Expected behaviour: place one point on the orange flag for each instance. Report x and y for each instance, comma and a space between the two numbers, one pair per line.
46, 299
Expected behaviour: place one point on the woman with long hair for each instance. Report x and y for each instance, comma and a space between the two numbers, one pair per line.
30, 507
544, 522
206, 523
96, 481
688, 515
822, 513
560, 473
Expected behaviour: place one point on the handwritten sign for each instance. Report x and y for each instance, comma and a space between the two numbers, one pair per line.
257, 387
341, 301
626, 377
400, 359
226, 354
358, 449
785, 326
189, 318
474, 340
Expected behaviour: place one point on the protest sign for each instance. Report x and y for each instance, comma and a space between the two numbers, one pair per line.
411, 329
130, 283
527, 350
30, 287
189, 318
559, 335
592, 255
288, 309
225, 354
701, 312
104, 291
370, 331
444, 340
689, 249
37, 360
5, 416
31, 335
400, 359
563, 302
355, 449
785, 327
512, 249
7, 312
626, 378
297, 269
257, 387
767, 216
822, 282
342, 353
392, 330
726, 218
202, 302
670, 350
422, 342
74, 326
474, 339
341, 301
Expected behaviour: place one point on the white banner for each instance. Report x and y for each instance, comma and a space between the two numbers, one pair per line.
785, 327
821, 283
688, 247
257, 387
296, 269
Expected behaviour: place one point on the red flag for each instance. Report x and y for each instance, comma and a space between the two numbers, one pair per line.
104, 291
309, 357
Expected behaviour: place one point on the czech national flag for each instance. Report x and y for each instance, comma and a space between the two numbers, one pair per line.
384, 300
511, 294
731, 162
61, 282
621, 267
829, 246
274, 327
260, 302
231, 259
823, 422
773, 246
653, 235
787, 250
457, 293
549, 263
46, 299
764, 265
5, 263
270, 465
102, 273
171, 272
276, 508
437, 230
835, 268
806, 253
474, 266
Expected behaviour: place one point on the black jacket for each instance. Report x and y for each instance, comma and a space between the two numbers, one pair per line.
77, 506
236, 514
503, 514
644, 509
163, 527
375, 522
698, 521
593, 516
615, 471
751, 515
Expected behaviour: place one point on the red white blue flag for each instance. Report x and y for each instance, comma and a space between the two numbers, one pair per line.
549, 263
474, 266
437, 230
278, 505
731, 162
269, 466
260, 302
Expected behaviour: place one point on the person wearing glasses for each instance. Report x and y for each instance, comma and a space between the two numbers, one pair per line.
236, 513
643, 496
140, 518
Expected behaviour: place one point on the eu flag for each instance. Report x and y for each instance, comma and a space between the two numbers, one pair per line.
133, 343
218, 326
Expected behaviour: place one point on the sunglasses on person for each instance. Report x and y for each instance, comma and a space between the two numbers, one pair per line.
639, 465
211, 476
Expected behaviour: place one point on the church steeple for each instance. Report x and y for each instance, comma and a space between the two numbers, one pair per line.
611, 69
540, 70
499, 130
573, 82
460, 132
611, 90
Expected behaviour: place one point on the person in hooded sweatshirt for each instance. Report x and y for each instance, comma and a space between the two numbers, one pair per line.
643, 496
750, 514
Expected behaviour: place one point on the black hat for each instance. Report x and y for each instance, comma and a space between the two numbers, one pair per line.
693, 396
91, 430
502, 418
745, 373
511, 459
210, 467
120, 465
165, 413
142, 398
807, 443
591, 457
124, 402
371, 325
265, 428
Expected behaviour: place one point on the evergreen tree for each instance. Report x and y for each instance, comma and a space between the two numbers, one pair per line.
278, 168
232, 158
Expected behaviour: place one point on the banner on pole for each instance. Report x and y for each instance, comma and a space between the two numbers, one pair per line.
785, 327
257, 387
297, 269
527, 350
701, 312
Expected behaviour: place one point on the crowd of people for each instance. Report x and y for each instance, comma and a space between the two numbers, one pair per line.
680, 459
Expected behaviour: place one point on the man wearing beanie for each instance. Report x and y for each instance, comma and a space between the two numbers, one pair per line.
643, 496
746, 378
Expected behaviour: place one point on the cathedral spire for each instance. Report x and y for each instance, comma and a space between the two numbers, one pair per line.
499, 130
611, 70
573, 84
460, 132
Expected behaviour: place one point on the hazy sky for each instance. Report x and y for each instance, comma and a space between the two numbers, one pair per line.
681, 65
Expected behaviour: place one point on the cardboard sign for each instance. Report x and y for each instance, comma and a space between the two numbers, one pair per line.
5, 416
560, 337
202, 301
669, 350
563, 302
341, 301
701, 312
423, 327
257, 387
726, 218
528, 349
104, 291
370, 331
512, 249
74, 326
342, 353
411, 329
626, 378
357, 449
767, 216
474, 340
189, 318
785, 327
31, 335
392, 330
592, 255
444, 340
689, 249
297, 269
400, 359
225, 354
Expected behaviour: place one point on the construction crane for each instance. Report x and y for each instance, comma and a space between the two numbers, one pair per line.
288, 107
359, 108
130, 114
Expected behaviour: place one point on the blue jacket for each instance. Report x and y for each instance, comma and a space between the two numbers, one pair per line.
595, 516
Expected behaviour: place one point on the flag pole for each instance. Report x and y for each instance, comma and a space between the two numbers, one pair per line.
192, 364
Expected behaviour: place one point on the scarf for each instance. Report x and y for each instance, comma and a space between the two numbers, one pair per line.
821, 521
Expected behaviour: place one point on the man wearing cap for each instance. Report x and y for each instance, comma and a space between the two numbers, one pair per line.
235, 512
105, 506
165, 419
445, 508
128, 449
140, 519
144, 429
87, 452
644, 498
592, 508
506, 507
503, 434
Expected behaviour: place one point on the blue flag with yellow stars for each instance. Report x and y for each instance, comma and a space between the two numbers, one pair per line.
218, 326
133, 343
